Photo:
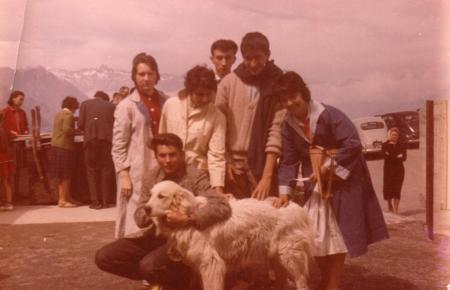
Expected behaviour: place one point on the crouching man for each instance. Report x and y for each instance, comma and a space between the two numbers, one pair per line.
143, 255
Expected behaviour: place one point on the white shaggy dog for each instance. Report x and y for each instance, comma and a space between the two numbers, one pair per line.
256, 235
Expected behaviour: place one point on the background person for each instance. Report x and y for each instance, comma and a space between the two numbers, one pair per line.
136, 121
394, 153
196, 120
16, 123
63, 151
117, 97
124, 91
7, 166
96, 119
351, 219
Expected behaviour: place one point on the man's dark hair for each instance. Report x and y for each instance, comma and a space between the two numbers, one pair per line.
292, 83
14, 95
70, 103
200, 77
254, 41
148, 60
167, 139
101, 95
224, 45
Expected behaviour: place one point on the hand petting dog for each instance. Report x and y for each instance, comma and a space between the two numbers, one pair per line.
176, 219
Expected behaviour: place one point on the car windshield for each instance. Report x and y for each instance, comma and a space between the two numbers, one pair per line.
372, 125
412, 121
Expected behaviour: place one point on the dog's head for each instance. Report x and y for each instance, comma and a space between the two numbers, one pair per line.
167, 195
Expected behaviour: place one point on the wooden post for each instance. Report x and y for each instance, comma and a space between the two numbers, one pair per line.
429, 167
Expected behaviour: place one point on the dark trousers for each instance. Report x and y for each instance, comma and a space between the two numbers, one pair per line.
143, 258
99, 170
242, 186
20, 161
245, 183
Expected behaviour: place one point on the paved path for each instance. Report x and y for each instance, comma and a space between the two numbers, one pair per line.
53, 214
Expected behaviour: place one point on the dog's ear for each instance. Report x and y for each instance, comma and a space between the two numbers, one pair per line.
181, 200
176, 200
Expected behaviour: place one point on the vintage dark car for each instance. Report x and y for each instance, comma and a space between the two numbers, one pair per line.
408, 124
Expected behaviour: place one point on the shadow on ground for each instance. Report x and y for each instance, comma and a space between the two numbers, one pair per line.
61, 256
357, 278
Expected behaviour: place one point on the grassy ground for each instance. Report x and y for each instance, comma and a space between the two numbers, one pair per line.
60, 256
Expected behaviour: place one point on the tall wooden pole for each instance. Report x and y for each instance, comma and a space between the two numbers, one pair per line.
429, 167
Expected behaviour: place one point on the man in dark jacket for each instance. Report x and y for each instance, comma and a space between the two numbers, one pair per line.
96, 120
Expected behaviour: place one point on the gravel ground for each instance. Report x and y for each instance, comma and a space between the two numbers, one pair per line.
60, 256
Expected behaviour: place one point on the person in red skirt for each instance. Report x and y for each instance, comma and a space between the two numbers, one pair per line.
16, 123
7, 167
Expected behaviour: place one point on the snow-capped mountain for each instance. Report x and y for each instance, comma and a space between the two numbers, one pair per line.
42, 88
6, 80
47, 87
90, 80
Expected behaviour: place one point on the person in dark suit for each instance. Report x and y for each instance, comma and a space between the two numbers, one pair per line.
96, 120
394, 153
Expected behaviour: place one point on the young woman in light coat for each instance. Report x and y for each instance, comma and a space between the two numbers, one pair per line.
136, 122
196, 120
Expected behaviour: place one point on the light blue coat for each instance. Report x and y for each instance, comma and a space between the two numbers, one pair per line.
354, 202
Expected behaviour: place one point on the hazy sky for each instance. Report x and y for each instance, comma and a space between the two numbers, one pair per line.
359, 51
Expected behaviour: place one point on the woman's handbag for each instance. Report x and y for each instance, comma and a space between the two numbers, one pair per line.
319, 156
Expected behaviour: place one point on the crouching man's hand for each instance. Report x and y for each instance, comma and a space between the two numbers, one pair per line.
177, 219
282, 201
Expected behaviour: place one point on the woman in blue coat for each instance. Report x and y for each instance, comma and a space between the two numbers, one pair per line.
349, 220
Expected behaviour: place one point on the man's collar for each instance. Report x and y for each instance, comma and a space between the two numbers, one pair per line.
217, 76
315, 110
176, 177
134, 96
13, 108
197, 110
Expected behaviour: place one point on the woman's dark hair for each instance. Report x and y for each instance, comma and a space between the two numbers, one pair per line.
70, 103
254, 41
291, 83
14, 95
167, 139
148, 60
200, 77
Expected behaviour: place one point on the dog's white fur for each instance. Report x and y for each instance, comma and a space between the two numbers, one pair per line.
256, 235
